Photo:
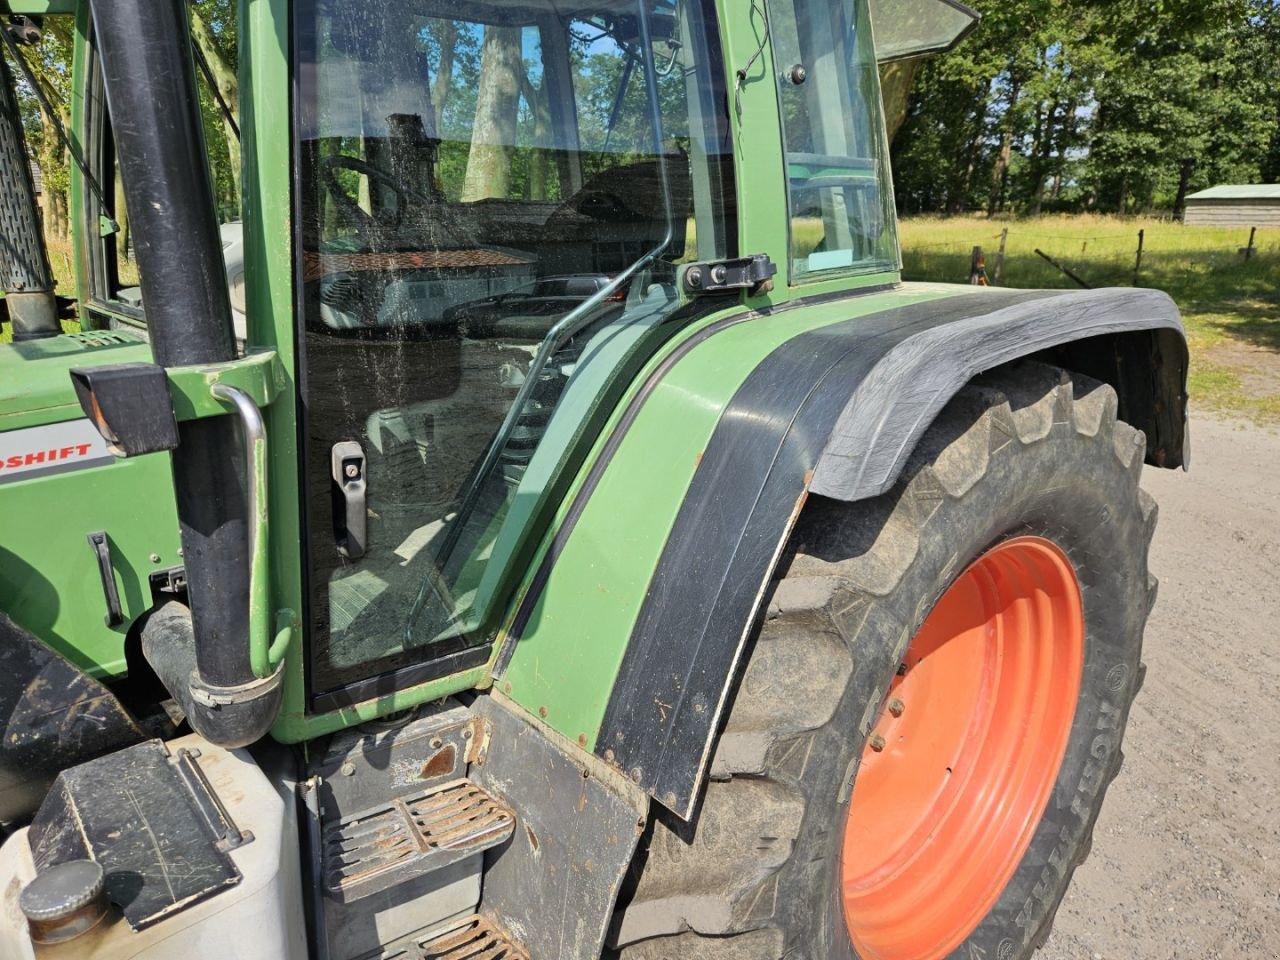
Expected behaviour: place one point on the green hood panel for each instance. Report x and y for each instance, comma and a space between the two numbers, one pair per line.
35, 383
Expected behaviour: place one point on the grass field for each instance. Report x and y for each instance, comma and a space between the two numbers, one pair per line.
1231, 306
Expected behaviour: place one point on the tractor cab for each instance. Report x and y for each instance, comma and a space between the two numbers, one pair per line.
382, 560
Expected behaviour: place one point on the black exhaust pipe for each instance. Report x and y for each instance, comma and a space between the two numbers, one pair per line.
24, 266
145, 50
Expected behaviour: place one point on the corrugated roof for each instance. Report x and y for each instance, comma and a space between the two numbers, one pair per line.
1250, 191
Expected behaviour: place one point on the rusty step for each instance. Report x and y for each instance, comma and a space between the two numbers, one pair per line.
474, 938
380, 848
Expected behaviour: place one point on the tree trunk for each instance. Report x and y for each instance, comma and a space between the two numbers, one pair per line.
958, 201
1184, 184
443, 84
228, 84
233, 159
1000, 169
59, 203
542, 160
494, 131
53, 163
1039, 157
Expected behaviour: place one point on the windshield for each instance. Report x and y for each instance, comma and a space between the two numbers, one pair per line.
493, 198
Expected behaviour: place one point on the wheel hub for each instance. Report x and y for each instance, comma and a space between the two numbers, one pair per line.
959, 768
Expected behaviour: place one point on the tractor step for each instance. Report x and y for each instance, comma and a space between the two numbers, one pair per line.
380, 848
474, 938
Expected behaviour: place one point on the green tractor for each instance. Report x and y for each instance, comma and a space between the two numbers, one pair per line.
588, 546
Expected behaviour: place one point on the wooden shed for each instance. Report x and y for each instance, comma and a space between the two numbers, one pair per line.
1252, 205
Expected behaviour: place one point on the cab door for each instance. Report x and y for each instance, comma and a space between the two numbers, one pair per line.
491, 206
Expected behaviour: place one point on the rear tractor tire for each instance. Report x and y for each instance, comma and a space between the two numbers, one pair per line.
933, 707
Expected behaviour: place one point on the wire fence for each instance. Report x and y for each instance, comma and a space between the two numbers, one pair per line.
992, 254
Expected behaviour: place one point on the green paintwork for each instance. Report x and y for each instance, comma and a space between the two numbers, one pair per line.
35, 387
38, 8
49, 580
260, 374
566, 661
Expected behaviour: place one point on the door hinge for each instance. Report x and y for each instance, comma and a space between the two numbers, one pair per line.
754, 274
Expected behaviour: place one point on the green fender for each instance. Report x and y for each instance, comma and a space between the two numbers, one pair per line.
631, 626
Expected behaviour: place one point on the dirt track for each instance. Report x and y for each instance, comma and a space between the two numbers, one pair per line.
1186, 856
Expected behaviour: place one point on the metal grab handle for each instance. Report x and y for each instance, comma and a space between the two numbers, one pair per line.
265, 655
106, 570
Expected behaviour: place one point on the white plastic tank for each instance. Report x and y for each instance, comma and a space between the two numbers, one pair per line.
260, 918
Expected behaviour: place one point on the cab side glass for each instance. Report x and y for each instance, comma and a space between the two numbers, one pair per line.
839, 186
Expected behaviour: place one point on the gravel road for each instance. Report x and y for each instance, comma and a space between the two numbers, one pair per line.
1186, 856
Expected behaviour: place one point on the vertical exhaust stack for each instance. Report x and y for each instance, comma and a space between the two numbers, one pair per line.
145, 50
24, 267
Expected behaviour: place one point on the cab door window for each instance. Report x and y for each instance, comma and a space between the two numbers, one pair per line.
492, 201
840, 190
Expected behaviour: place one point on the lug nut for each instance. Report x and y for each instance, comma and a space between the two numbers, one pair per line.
896, 707
877, 742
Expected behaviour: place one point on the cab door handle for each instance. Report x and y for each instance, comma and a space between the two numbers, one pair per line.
350, 513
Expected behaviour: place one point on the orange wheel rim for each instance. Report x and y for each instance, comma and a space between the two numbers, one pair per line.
957, 772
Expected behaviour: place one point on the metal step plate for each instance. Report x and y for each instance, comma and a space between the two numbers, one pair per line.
372, 851
473, 939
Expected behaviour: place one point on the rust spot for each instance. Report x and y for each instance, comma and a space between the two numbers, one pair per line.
441, 763
808, 478
697, 461
582, 740
533, 838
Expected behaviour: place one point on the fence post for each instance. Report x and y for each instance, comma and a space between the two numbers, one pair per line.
995, 276
978, 268
1248, 251
1137, 264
